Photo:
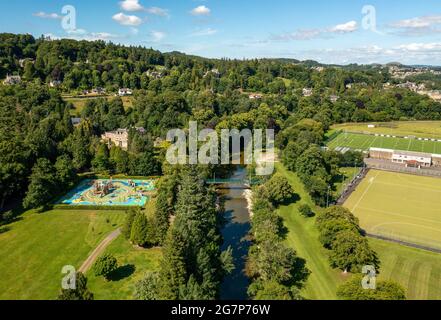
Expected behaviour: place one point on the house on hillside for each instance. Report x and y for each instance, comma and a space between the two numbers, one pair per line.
334, 98
75, 121
125, 92
154, 74
214, 72
307, 92
98, 90
255, 96
120, 137
11, 80
54, 83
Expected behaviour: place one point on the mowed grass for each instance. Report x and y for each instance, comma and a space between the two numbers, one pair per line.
303, 237
80, 103
133, 264
399, 206
421, 129
34, 249
418, 271
363, 142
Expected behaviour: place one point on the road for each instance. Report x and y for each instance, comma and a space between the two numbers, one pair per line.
99, 250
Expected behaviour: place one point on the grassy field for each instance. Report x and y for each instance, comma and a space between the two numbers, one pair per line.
133, 264
303, 237
399, 206
80, 102
421, 129
416, 270
34, 249
363, 142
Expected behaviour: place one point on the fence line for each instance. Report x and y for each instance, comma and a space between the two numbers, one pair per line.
350, 188
400, 169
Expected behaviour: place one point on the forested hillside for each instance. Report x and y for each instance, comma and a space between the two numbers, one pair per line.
41, 151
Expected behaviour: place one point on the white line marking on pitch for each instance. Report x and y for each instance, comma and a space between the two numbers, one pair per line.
371, 182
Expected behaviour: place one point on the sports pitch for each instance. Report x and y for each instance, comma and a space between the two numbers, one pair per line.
399, 206
362, 142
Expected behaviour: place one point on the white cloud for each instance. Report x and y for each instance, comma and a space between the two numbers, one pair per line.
127, 20
45, 15
158, 11
308, 34
201, 11
419, 26
157, 36
347, 27
135, 6
420, 47
419, 22
131, 5
204, 32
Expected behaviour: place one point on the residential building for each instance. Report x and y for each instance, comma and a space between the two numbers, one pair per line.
255, 96
11, 80
125, 92
334, 98
75, 121
120, 137
307, 92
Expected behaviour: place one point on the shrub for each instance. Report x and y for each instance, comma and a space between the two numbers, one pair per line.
306, 211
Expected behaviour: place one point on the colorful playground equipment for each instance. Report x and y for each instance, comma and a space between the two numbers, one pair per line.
110, 192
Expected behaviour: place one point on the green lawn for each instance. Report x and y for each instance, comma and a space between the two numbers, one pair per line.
399, 206
416, 270
80, 102
303, 237
34, 249
421, 129
362, 142
133, 263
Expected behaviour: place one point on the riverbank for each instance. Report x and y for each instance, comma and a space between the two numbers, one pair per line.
248, 195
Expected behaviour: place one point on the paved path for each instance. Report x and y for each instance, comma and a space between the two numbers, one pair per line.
99, 250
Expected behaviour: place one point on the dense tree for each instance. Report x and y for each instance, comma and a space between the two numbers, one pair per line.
272, 290
42, 184
148, 287
141, 232
105, 265
350, 252
279, 190
126, 229
385, 290
81, 292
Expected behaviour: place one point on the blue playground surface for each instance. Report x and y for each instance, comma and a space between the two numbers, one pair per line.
110, 192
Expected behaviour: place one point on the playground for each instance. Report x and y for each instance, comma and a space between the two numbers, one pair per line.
110, 192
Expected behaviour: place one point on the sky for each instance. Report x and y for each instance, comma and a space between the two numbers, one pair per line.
338, 31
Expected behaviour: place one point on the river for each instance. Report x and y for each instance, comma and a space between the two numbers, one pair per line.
235, 234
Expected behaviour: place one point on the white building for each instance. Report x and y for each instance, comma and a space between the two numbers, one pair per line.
11, 80
255, 96
125, 92
307, 92
119, 137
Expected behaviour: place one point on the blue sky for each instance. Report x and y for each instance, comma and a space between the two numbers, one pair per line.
336, 31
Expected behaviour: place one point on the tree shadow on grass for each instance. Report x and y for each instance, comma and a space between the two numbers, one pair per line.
300, 273
294, 199
122, 272
4, 229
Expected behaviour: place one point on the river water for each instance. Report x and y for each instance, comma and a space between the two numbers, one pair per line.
235, 234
